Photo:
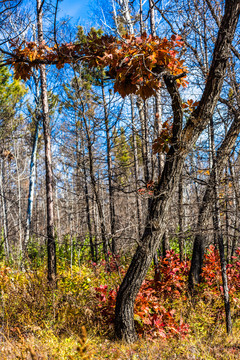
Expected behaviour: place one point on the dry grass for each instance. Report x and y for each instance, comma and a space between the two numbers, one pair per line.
39, 323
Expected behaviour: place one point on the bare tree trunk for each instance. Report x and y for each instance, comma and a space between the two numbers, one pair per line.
152, 18
141, 16
221, 159
4, 209
124, 5
211, 161
19, 201
156, 129
218, 232
143, 121
136, 169
237, 205
165, 243
51, 246
96, 191
32, 180
228, 239
87, 200
109, 168
96, 243
94, 256
58, 216
180, 217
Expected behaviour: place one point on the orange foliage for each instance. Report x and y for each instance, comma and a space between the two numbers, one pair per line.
163, 142
135, 63
190, 105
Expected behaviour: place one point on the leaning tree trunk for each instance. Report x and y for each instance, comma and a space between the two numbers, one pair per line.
51, 245
182, 144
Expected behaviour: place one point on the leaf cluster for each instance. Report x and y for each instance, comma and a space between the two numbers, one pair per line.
163, 142
135, 63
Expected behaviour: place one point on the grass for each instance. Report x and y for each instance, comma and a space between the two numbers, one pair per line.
69, 322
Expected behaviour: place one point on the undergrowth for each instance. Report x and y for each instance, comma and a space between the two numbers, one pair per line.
75, 321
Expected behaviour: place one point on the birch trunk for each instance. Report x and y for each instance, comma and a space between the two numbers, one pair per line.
32, 181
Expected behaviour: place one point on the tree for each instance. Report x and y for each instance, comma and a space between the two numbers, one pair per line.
36, 118
51, 246
11, 92
221, 160
202, 15
183, 140
136, 65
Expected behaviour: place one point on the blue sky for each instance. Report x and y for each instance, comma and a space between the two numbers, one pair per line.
78, 9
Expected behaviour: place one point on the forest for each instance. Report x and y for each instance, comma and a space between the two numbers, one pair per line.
120, 180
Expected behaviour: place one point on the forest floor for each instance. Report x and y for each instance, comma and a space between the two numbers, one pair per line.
75, 321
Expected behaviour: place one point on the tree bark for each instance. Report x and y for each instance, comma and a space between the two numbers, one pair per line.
136, 170
51, 246
219, 237
95, 190
4, 209
158, 119
87, 200
145, 154
180, 217
124, 321
165, 244
228, 239
32, 180
237, 205
109, 169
